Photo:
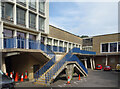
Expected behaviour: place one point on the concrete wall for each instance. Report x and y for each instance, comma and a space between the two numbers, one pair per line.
63, 35
24, 62
112, 61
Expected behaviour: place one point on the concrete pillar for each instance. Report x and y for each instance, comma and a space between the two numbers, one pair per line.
27, 14
91, 63
58, 46
69, 71
106, 61
27, 41
85, 63
14, 13
67, 47
52, 44
15, 36
3, 67
37, 23
45, 44
1, 35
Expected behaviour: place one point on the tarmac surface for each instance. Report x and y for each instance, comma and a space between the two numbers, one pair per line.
96, 78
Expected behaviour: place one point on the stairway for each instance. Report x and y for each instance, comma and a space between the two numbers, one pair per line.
51, 69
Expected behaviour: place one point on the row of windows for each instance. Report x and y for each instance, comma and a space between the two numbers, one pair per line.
7, 13
110, 47
55, 43
87, 48
9, 34
32, 5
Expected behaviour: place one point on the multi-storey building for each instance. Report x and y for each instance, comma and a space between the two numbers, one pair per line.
25, 31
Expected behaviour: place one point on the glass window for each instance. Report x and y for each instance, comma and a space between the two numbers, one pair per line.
118, 46
21, 35
105, 47
113, 47
8, 33
43, 40
49, 41
61, 43
32, 4
22, 2
32, 20
65, 44
55, 42
42, 6
41, 23
7, 11
32, 37
20, 16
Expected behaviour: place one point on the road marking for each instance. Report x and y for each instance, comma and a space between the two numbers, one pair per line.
75, 83
59, 85
64, 84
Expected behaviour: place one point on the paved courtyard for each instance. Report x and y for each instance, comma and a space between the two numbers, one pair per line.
96, 78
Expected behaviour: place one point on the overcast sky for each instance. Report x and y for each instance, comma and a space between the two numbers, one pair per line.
85, 18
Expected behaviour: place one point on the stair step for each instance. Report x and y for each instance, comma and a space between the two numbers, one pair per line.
40, 83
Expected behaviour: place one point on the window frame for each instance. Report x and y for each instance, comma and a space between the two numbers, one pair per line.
109, 47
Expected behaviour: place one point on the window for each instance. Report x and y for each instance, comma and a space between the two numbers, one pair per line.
49, 41
118, 46
20, 16
21, 43
43, 40
61, 43
32, 4
113, 47
55, 42
41, 24
32, 20
22, 2
42, 7
8, 33
7, 11
105, 47
32, 43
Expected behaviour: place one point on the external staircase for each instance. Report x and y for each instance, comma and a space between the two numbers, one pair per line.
47, 73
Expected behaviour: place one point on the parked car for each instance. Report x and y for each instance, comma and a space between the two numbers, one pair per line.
118, 67
98, 67
107, 68
5, 81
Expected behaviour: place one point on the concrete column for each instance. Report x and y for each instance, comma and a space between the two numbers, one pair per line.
15, 36
52, 44
58, 45
27, 19
69, 71
67, 47
14, 13
91, 63
106, 61
1, 35
45, 44
3, 67
0, 10
63, 45
37, 23
27, 41
85, 63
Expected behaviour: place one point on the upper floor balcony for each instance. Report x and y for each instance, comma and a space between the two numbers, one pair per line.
23, 43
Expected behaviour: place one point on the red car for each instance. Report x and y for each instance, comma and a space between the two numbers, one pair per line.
99, 67
107, 68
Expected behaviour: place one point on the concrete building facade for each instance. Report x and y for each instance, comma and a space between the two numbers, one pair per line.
107, 48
